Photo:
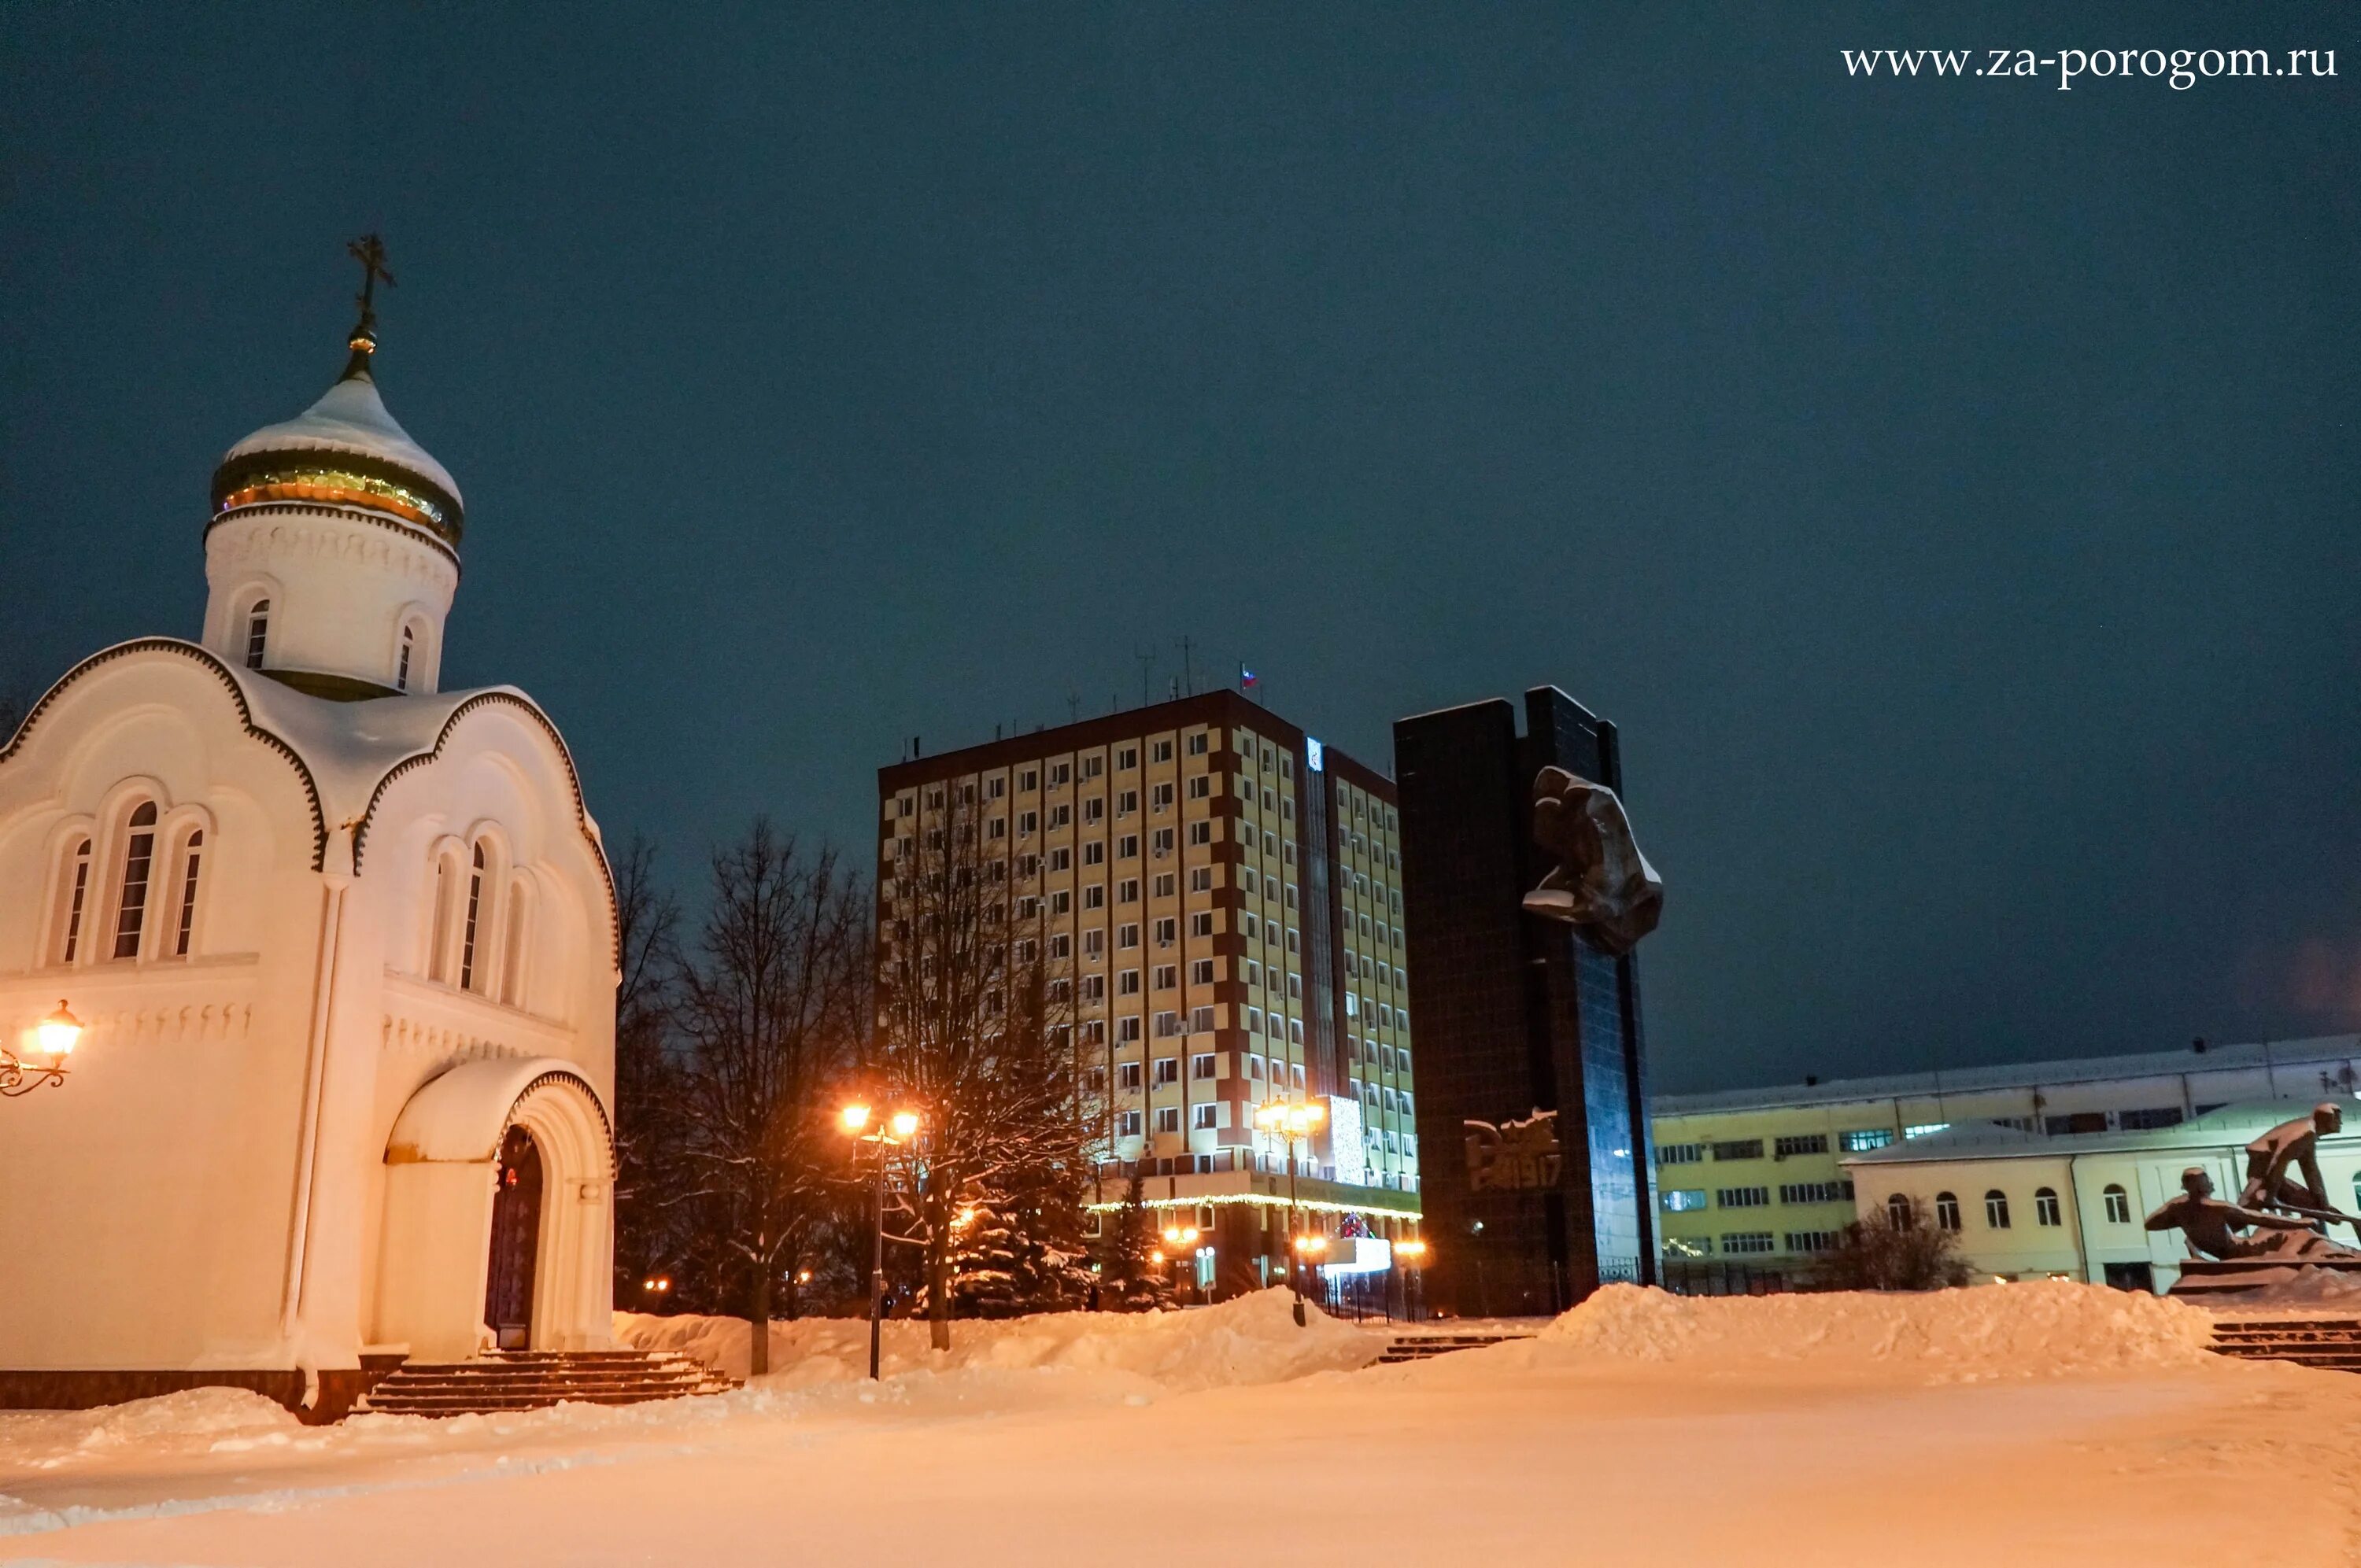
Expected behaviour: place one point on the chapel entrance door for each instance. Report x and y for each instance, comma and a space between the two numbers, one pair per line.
516, 1240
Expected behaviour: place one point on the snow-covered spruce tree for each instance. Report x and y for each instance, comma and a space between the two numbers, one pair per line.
770, 1005
1130, 1280
974, 1033
1021, 1251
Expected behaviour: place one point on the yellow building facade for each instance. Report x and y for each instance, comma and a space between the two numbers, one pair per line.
2028, 1206
1765, 1179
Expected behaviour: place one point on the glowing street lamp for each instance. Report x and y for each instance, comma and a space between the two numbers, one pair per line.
900, 1128
54, 1038
1412, 1255
1292, 1119
1180, 1242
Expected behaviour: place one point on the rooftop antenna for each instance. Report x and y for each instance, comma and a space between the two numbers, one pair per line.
1187, 665
1146, 657
1074, 708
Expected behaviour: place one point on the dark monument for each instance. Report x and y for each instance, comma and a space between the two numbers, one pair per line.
2276, 1231
1602, 885
1524, 894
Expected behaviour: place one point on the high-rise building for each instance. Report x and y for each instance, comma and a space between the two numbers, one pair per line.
1532, 1097
1222, 893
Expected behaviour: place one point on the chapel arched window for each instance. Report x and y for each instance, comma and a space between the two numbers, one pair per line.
2119, 1204
401, 667
1996, 1210
258, 632
77, 893
2044, 1206
138, 864
1947, 1211
1898, 1212
468, 933
444, 911
193, 854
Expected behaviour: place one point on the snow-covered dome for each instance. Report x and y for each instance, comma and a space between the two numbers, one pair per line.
345, 450
333, 548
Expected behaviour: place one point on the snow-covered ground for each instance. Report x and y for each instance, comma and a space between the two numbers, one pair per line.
2026, 1424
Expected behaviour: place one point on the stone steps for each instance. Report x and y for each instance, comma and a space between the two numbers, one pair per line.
529, 1379
2330, 1344
1426, 1347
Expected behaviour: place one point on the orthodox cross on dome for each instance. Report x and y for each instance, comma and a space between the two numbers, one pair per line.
369, 251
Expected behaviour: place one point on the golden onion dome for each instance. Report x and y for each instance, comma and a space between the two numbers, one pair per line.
345, 450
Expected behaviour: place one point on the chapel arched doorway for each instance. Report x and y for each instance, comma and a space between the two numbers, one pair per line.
516, 1240
460, 1248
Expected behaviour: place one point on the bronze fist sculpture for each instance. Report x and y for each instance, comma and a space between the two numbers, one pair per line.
1601, 884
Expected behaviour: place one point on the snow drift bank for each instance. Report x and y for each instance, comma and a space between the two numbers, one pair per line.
1251, 1339
195, 1421
2028, 1330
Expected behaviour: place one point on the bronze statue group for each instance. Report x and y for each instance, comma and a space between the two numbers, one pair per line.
2281, 1216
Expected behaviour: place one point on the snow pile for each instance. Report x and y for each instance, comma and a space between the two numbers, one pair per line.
2025, 1329
1251, 1339
2310, 1288
196, 1420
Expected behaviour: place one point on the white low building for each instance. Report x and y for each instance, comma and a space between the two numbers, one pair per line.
2073, 1205
344, 946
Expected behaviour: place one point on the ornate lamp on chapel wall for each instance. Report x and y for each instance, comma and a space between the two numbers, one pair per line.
54, 1039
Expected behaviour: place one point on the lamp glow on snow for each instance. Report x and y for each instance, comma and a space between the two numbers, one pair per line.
54, 1038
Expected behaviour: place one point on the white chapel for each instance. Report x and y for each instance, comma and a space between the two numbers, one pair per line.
343, 944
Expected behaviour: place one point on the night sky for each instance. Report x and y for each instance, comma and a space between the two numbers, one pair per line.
1948, 486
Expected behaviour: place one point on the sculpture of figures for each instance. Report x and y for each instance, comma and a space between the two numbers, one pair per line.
2283, 1169
2211, 1227
1601, 884
1523, 1153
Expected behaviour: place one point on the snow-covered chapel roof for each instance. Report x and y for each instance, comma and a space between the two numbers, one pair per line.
348, 754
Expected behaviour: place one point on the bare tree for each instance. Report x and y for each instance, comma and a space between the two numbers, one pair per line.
1878, 1252
974, 1028
649, 1231
771, 1001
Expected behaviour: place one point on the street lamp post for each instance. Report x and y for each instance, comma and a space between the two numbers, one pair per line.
1412, 1255
1181, 1240
55, 1037
899, 1128
1292, 1121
